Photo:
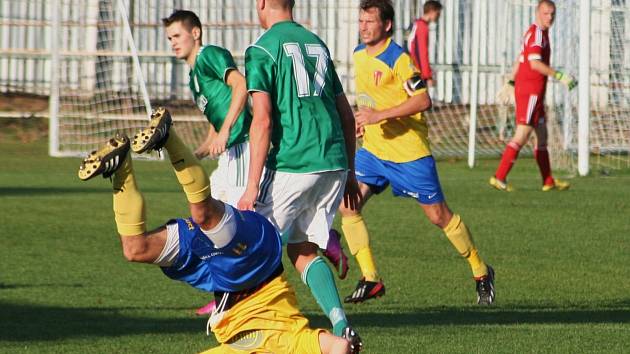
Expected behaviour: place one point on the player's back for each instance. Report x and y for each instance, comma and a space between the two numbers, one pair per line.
294, 66
252, 255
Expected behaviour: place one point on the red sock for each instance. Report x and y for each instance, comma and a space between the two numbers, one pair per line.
542, 158
507, 161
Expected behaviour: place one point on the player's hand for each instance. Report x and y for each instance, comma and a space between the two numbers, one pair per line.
248, 200
366, 116
203, 150
358, 131
430, 83
506, 93
568, 80
352, 197
219, 143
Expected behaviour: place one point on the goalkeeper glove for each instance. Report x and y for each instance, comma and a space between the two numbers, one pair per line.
506, 93
566, 79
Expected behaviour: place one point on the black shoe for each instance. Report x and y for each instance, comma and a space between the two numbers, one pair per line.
155, 135
366, 290
356, 345
485, 288
106, 160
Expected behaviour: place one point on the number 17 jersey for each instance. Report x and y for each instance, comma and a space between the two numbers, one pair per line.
294, 67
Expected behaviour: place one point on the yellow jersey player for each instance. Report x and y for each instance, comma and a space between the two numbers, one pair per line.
391, 96
235, 254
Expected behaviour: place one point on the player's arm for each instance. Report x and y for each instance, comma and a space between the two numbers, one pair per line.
144, 248
418, 101
237, 83
422, 38
547, 70
352, 194
204, 148
259, 141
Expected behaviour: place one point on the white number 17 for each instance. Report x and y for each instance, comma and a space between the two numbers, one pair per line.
299, 70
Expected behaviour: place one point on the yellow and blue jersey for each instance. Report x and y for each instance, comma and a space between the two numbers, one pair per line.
249, 259
380, 80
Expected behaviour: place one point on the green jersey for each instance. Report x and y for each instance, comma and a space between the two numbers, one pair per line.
293, 65
212, 94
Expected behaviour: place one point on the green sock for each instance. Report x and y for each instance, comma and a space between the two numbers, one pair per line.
318, 277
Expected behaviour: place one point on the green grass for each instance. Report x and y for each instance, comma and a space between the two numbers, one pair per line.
562, 263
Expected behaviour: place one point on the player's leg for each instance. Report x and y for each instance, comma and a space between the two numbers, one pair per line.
527, 110
371, 181
189, 172
331, 344
542, 159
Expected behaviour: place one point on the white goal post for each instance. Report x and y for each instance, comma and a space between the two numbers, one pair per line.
95, 80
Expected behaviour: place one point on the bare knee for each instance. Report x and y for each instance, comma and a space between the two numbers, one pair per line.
438, 214
330, 344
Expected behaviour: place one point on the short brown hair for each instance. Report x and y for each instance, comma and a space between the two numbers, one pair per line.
546, 2
430, 6
187, 18
385, 10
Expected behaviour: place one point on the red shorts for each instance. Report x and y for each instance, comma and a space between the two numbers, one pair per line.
530, 108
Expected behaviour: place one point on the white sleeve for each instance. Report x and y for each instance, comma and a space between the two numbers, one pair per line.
171, 248
225, 230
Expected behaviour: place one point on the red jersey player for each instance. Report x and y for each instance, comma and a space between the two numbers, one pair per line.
418, 42
529, 75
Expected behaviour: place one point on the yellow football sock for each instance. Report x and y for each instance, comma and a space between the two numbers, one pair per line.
457, 232
129, 210
188, 170
358, 239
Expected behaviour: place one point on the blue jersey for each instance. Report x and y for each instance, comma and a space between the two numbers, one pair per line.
246, 261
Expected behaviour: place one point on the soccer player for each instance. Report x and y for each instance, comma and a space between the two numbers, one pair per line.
220, 92
529, 78
391, 96
303, 127
235, 254
418, 41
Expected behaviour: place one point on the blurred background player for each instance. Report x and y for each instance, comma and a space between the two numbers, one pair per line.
220, 92
418, 41
390, 96
303, 128
529, 78
235, 254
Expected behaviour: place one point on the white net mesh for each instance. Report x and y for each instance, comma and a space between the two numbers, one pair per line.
100, 94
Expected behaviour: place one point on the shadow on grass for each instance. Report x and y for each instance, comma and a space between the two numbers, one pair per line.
27, 322
617, 313
105, 189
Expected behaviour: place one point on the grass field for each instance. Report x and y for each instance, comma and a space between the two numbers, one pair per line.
562, 263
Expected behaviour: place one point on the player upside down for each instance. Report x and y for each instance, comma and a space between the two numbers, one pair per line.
235, 254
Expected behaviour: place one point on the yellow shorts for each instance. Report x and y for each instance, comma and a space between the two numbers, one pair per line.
267, 321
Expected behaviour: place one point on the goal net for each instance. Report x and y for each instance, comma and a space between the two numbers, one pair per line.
100, 91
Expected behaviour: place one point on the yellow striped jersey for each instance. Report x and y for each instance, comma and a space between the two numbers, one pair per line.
380, 80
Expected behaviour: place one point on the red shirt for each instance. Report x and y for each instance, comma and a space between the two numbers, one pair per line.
418, 44
535, 47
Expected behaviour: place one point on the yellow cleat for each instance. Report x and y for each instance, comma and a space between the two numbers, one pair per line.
557, 184
155, 135
106, 160
500, 185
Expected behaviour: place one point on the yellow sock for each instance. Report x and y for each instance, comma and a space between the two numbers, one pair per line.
188, 170
358, 239
457, 232
129, 210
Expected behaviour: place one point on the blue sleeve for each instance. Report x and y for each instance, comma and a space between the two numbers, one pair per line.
189, 268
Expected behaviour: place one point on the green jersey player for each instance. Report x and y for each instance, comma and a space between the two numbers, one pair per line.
303, 127
220, 93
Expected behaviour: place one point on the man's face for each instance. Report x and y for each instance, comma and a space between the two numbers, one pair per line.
545, 14
434, 16
182, 41
371, 29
